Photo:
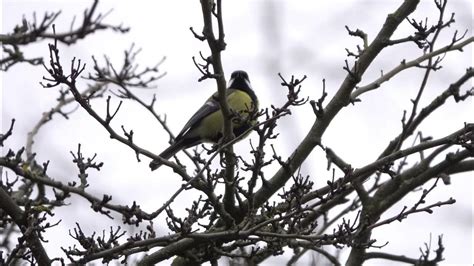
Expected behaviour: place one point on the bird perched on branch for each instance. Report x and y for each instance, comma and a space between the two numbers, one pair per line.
207, 124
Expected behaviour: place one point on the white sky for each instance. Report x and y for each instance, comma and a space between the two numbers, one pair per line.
311, 41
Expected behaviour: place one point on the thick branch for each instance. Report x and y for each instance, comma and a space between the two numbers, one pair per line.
216, 46
33, 240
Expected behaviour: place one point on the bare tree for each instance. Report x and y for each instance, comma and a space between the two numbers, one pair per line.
245, 213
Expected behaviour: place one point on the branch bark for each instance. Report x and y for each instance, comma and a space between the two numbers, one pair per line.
21, 220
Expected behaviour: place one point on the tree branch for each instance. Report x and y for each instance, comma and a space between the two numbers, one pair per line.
339, 101
21, 220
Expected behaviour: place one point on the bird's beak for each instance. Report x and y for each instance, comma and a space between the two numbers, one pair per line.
231, 81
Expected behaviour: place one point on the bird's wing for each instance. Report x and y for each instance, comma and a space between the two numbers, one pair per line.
210, 106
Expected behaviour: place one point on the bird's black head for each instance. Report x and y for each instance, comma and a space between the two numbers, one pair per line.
240, 74
239, 80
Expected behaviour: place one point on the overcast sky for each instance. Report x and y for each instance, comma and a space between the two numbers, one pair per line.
263, 38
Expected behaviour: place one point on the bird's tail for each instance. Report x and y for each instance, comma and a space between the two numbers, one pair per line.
168, 153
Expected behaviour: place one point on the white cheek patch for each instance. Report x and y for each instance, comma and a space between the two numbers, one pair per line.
248, 83
212, 104
230, 82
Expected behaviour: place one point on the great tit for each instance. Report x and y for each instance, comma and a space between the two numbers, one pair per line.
206, 125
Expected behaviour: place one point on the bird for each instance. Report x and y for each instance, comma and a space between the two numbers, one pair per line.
207, 124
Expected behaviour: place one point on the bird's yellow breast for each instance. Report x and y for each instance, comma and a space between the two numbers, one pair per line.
239, 102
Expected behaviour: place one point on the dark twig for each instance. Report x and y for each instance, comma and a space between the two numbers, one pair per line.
9, 132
